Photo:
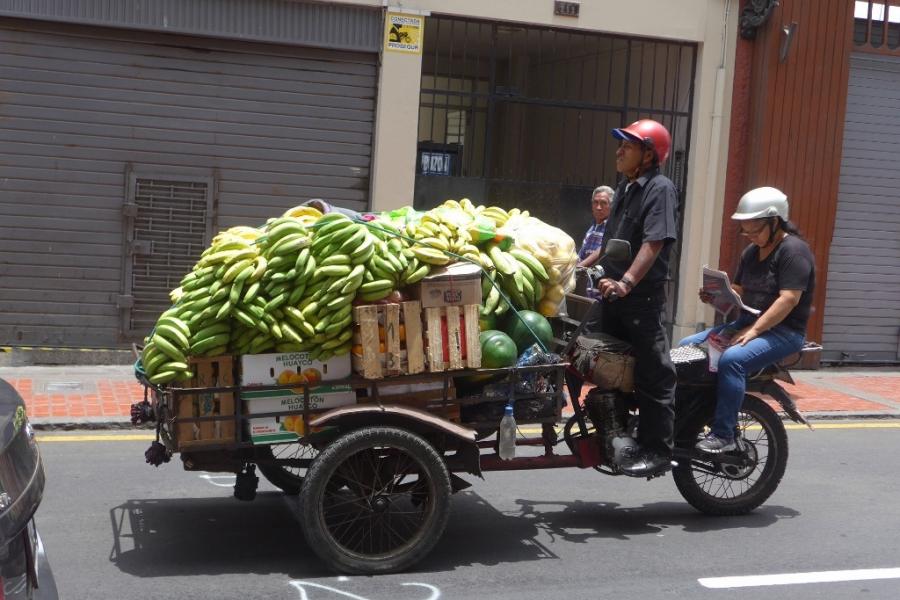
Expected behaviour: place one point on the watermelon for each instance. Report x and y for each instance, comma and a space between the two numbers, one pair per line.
524, 338
497, 350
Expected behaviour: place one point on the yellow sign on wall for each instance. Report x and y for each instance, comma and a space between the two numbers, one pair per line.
404, 33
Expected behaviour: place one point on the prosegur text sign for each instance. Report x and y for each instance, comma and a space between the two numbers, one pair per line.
404, 33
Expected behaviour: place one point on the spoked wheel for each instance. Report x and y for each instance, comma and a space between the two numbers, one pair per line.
287, 478
734, 483
375, 501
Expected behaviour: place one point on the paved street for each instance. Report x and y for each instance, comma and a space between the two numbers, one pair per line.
118, 528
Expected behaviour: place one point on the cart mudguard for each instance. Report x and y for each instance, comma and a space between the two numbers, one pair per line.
360, 415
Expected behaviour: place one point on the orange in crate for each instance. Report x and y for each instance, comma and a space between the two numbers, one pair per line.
389, 340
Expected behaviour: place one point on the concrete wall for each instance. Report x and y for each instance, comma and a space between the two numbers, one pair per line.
712, 24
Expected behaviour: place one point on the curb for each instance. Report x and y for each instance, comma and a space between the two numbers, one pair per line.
86, 423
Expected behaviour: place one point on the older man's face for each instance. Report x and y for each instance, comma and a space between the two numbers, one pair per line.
600, 206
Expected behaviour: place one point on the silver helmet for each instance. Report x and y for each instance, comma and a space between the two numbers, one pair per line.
760, 203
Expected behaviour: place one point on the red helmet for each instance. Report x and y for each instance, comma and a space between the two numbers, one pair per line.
650, 133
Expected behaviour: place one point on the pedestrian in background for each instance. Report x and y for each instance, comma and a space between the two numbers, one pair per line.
601, 200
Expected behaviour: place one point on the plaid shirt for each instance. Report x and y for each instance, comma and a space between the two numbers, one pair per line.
593, 239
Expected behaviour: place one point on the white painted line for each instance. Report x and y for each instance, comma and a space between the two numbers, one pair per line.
797, 578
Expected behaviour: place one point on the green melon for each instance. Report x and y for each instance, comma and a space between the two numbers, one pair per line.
524, 338
497, 350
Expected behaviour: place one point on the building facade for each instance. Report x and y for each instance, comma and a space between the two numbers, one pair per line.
816, 113
135, 130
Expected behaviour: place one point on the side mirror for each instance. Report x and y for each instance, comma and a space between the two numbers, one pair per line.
618, 251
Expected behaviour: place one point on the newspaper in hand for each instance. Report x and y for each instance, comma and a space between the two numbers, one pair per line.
724, 299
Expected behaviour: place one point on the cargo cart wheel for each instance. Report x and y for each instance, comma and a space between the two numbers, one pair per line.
285, 477
375, 501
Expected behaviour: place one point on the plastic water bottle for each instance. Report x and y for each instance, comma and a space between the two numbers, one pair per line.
506, 437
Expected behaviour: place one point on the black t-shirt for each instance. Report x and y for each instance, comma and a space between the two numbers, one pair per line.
643, 212
791, 266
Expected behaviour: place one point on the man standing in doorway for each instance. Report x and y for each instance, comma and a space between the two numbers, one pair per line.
601, 199
643, 213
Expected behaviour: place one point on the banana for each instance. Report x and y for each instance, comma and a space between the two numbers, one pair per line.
232, 272
164, 377
174, 335
428, 255
335, 259
244, 318
225, 310
340, 302
417, 275
176, 323
329, 218
501, 262
251, 292
531, 262
291, 243
213, 329
276, 302
152, 365
290, 333
333, 271
356, 238
376, 286
491, 300
384, 265
234, 295
302, 257
168, 348
284, 229
375, 296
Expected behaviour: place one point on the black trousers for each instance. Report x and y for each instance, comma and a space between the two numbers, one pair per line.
637, 319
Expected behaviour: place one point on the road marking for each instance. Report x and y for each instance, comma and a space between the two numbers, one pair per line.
113, 437
798, 578
143, 437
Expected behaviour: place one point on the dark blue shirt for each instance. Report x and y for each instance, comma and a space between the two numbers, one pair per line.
643, 212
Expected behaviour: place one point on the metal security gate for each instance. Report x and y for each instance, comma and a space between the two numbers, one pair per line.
517, 115
264, 126
862, 306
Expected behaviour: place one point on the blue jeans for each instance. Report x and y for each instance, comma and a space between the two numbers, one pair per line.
739, 361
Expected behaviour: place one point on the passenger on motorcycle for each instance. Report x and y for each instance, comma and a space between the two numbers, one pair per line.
776, 275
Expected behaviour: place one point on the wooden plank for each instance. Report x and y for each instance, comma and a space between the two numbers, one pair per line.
434, 339
392, 338
186, 408
454, 340
412, 319
471, 314
367, 317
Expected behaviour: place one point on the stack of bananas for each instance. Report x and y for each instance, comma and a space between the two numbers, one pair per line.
289, 285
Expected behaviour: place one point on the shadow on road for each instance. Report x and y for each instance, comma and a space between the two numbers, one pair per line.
210, 536
479, 534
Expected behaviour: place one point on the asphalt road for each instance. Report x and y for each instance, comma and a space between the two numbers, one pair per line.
117, 528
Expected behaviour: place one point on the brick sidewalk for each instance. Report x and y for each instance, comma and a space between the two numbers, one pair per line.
66, 395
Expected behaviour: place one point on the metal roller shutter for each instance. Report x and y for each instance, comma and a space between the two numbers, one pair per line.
862, 307
88, 114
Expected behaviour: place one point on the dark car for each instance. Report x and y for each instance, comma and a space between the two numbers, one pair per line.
24, 570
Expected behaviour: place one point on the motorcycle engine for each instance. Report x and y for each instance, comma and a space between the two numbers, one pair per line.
609, 414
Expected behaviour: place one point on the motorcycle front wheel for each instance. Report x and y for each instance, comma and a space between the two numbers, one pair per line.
734, 483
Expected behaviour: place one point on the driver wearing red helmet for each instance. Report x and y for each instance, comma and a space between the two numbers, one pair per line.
643, 212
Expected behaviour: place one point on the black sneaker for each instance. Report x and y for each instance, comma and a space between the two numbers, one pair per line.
714, 444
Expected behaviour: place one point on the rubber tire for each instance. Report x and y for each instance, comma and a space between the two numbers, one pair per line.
317, 480
768, 481
280, 477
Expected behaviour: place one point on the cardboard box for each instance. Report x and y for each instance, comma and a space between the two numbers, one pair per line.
272, 369
289, 427
454, 285
286, 368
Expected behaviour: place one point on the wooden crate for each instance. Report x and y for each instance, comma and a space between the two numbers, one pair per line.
436, 340
400, 357
208, 372
427, 395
